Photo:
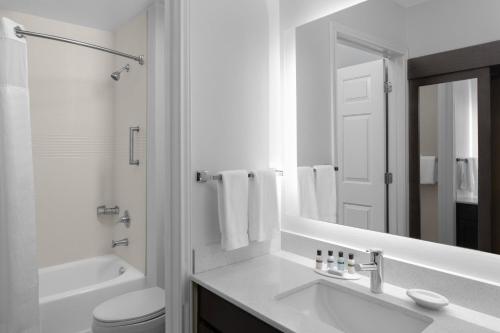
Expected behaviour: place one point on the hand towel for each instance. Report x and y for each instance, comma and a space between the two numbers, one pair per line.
472, 171
467, 176
428, 170
232, 191
263, 208
462, 175
307, 193
326, 194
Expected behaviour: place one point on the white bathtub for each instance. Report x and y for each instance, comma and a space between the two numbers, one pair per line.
69, 292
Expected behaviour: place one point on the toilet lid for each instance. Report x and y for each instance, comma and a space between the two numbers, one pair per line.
133, 307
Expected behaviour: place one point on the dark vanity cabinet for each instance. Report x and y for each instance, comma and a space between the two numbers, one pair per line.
216, 315
467, 226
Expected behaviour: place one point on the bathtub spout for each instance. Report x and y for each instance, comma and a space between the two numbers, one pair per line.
121, 242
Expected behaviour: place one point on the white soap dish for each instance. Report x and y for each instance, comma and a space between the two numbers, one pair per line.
338, 275
427, 299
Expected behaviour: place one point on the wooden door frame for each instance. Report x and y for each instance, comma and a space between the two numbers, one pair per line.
484, 151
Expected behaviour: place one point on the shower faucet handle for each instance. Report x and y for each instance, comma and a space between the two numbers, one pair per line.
125, 219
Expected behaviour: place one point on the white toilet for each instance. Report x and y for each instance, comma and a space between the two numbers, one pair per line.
140, 311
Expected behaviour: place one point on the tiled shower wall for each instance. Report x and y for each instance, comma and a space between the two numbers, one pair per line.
77, 146
129, 184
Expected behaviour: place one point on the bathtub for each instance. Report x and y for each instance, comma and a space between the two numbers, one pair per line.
69, 292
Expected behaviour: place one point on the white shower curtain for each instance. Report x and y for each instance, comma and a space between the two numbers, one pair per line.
18, 266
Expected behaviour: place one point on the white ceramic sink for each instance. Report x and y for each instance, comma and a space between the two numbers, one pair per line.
350, 311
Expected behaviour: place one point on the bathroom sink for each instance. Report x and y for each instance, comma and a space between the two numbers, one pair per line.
350, 311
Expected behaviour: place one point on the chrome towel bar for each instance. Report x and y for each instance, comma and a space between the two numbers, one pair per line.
205, 176
335, 168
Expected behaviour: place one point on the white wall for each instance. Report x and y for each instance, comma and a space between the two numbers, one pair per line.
315, 135
158, 205
442, 25
380, 19
229, 75
314, 94
428, 127
466, 117
350, 56
71, 99
297, 12
129, 185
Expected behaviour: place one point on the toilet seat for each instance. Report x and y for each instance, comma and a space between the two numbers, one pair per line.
131, 308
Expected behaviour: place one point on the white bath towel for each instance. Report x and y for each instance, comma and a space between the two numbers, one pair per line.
428, 170
326, 194
263, 210
307, 193
232, 193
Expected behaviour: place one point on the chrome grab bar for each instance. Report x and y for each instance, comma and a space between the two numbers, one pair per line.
132, 160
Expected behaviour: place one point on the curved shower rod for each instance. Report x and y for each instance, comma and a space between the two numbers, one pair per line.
22, 33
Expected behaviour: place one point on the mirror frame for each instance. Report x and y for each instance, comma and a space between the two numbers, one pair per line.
428, 70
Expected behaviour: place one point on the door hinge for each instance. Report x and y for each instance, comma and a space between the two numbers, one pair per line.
387, 87
388, 178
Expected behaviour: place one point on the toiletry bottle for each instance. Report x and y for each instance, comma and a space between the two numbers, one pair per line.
319, 260
341, 262
350, 264
330, 261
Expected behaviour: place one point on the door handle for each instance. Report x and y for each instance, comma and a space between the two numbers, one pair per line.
132, 160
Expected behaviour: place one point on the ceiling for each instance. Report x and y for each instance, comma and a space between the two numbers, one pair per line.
100, 14
409, 3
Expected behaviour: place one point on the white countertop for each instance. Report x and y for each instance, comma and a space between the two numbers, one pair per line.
252, 285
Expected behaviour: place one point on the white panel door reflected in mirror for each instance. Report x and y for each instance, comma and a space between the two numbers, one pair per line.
361, 122
342, 145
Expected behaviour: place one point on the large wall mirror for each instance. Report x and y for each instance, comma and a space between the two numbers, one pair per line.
394, 125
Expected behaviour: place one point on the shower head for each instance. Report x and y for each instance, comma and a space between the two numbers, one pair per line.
116, 75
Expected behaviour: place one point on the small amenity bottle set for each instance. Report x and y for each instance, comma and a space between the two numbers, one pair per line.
340, 268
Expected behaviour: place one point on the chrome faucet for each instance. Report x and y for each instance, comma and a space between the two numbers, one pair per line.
376, 269
121, 242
